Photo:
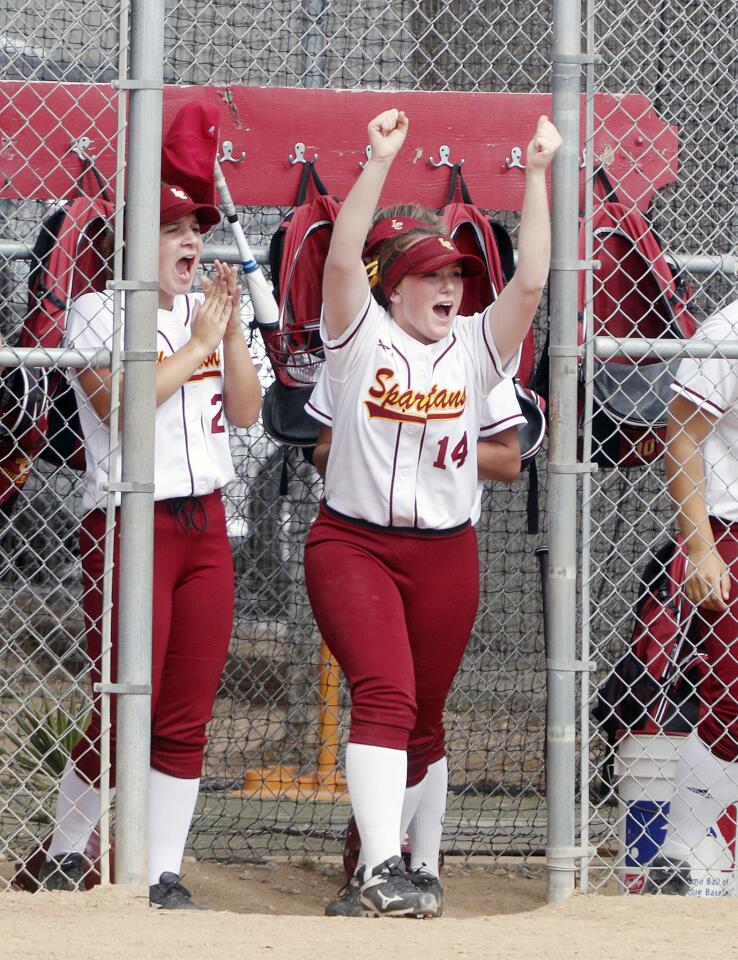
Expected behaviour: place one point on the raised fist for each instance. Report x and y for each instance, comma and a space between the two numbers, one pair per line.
546, 141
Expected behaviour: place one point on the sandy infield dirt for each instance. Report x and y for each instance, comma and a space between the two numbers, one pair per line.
275, 911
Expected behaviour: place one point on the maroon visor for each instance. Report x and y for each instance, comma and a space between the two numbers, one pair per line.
427, 255
391, 227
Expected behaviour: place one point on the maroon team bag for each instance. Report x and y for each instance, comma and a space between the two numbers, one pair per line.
38, 414
297, 256
635, 294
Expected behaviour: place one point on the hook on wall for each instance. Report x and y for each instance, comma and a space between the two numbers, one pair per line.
80, 146
368, 152
299, 155
445, 154
228, 154
515, 159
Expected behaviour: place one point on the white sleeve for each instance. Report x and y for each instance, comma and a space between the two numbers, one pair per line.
320, 404
475, 334
501, 410
711, 384
343, 352
90, 322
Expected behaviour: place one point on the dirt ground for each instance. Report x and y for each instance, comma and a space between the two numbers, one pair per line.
275, 911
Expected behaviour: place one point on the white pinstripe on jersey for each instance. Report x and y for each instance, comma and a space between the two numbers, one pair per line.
406, 419
192, 449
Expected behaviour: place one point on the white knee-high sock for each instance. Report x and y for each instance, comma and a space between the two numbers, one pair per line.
705, 786
171, 805
426, 827
77, 813
409, 806
413, 796
376, 781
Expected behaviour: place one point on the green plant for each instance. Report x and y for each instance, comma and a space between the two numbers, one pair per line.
45, 735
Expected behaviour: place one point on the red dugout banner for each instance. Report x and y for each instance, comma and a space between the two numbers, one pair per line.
264, 125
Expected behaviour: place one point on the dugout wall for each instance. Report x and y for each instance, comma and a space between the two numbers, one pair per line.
268, 714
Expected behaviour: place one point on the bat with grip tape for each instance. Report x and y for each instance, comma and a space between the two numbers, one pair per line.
266, 311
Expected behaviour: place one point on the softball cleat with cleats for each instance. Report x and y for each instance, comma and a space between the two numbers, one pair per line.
65, 872
389, 892
169, 894
426, 881
348, 902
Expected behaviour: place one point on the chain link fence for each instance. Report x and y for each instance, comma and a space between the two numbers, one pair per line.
270, 720
648, 686
270, 731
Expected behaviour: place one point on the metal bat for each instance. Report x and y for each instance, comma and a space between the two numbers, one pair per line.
266, 311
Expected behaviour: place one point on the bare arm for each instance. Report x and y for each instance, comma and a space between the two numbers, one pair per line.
513, 312
345, 284
322, 450
708, 582
498, 458
241, 387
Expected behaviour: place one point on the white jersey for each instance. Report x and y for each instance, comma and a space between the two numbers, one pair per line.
502, 411
712, 385
192, 456
405, 419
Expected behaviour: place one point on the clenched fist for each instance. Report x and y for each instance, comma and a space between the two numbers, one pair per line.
546, 141
387, 134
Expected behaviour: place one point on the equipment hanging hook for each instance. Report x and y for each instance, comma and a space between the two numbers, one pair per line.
515, 159
299, 155
444, 153
228, 154
80, 147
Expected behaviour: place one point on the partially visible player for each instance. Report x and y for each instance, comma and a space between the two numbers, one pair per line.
702, 467
205, 379
391, 563
498, 458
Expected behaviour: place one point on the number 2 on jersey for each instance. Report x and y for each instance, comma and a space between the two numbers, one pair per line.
216, 424
458, 454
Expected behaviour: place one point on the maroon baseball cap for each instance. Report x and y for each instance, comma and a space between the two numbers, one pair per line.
176, 202
189, 149
427, 255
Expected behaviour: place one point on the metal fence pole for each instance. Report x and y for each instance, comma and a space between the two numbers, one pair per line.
136, 566
562, 491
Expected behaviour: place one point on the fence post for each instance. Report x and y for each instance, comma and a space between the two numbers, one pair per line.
562, 488
136, 560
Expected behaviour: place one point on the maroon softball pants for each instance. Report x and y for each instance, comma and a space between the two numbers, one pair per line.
192, 619
396, 610
718, 632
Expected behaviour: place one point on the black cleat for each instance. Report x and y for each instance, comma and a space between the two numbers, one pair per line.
389, 892
169, 894
670, 878
348, 902
428, 882
63, 872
